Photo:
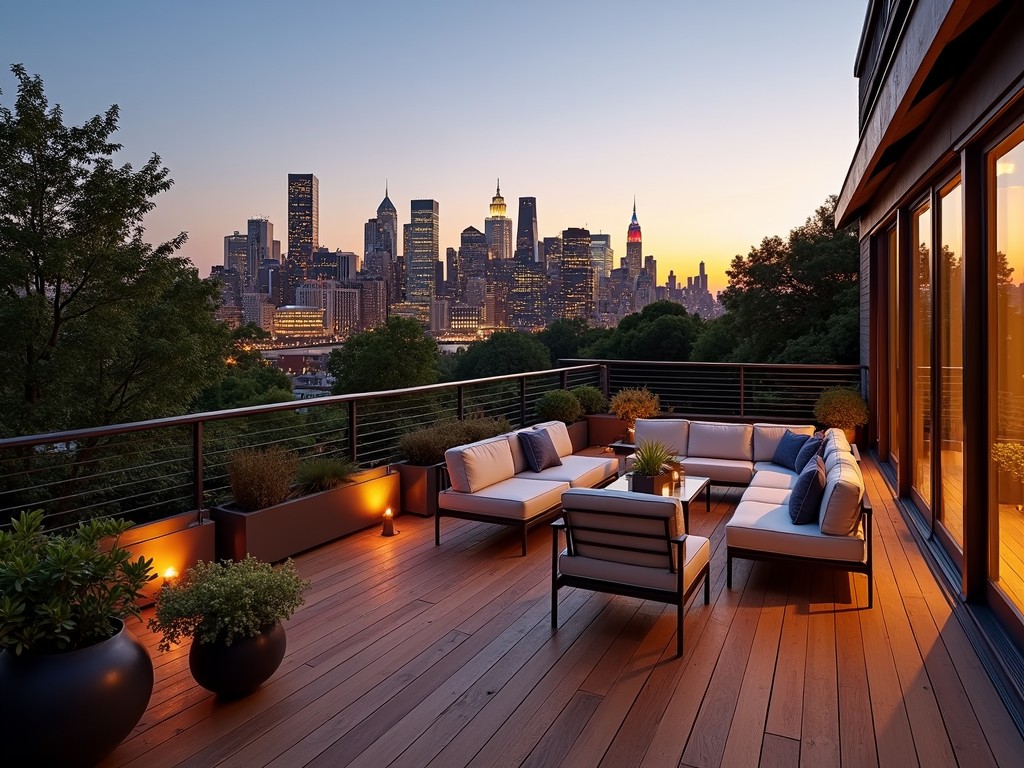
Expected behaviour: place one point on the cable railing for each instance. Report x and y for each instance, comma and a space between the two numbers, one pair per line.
154, 469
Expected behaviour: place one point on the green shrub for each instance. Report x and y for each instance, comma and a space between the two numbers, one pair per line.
559, 405
841, 407
591, 398
482, 427
58, 592
653, 458
315, 475
427, 445
225, 601
262, 478
632, 404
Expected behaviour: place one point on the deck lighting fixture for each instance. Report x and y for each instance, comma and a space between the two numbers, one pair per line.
389, 523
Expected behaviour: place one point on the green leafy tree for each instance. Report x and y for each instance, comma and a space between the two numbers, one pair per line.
396, 355
565, 337
503, 353
663, 330
794, 300
249, 378
97, 326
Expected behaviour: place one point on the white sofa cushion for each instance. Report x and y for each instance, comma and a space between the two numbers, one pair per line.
767, 494
672, 432
719, 470
766, 527
696, 554
835, 440
559, 435
721, 441
773, 476
578, 471
844, 488
767, 437
637, 513
515, 498
519, 462
478, 465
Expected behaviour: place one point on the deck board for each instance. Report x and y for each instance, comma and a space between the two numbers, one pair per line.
409, 654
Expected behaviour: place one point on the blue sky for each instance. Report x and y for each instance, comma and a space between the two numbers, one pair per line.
729, 121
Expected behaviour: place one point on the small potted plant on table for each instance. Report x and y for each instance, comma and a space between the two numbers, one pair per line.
232, 612
652, 468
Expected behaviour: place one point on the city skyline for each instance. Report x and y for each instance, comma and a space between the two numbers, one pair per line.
721, 129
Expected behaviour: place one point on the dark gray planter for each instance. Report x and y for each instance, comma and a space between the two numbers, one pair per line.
277, 532
236, 670
655, 484
420, 486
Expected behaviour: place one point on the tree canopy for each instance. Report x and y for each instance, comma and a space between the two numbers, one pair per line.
503, 353
565, 337
663, 330
97, 326
249, 378
396, 355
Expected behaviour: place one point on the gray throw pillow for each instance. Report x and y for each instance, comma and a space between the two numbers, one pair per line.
805, 499
539, 450
788, 449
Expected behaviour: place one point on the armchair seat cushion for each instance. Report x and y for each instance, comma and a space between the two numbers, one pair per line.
578, 471
515, 498
766, 527
696, 555
737, 471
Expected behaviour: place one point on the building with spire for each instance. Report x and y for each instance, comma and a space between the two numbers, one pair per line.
387, 225
634, 246
498, 229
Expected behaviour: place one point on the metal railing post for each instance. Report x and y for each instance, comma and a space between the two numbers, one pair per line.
522, 401
460, 402
743, 394
353, 432
564, 379
197, 468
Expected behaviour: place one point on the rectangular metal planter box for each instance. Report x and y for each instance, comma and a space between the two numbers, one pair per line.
420, 486
174, 543
655, 484
278, 532
605, 429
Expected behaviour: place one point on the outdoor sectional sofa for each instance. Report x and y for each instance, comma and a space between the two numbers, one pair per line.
491, 480
761, 527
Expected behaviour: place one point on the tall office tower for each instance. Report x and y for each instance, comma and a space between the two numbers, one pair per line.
453, 271
498, 229
473, 252
259, 246
671, 283
387, 226
552, 253
526, 234
268, 280
634, 246
576, 295
276, 254
526, 297
373, 303
324, 266
371, 236
236, 249
703, 277
422, 252
601, 254
499, 289
651, 267
303, 218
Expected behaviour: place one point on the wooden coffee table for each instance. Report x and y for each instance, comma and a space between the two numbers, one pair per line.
688, 490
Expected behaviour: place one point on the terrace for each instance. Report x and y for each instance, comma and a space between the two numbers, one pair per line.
411, 654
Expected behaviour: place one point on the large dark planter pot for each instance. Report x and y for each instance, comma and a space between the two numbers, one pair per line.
655, 484
236, 670
69, 709
420, 486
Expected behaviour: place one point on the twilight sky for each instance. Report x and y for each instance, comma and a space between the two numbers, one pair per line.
728, 120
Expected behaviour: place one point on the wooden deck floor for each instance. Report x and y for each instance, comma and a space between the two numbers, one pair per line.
411, 655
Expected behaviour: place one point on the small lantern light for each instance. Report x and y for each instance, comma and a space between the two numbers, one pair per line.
389, 523
170, 575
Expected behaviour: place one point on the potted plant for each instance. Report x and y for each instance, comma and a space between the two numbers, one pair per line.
283, 505
562, 405
232, 612
652, 467
423, 450
591, 398
75, 681
843, 408
1010, 458
629, 405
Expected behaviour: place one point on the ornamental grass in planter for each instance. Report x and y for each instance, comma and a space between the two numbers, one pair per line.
652, 468
232, 612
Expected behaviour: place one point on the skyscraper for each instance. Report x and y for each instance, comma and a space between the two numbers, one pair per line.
498, 228
387, 226
526, 234
422, 251
259, 246
236, 248
576, 293
303, 218
634, 246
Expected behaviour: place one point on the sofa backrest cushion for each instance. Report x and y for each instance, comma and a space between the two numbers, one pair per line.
712, 440
809, 450
634, 522
672, 432
767, 437
478, 465
539, 450
834, 440
805, 498
787, 449
840, 504
559, 434
519, 462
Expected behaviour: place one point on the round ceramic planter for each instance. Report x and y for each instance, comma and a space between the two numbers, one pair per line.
74, 708
236, 670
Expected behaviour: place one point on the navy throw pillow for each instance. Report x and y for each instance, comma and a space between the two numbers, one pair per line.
811, 448
805, 499
788, 448
540, 451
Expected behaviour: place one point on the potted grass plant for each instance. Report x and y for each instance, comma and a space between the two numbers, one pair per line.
74, 679
282, 505
652, 467
232, 613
